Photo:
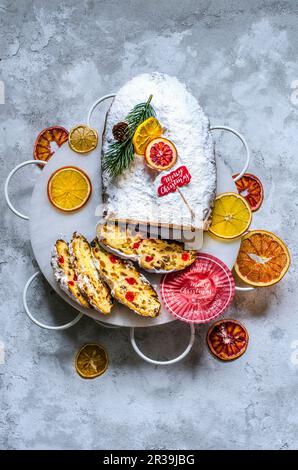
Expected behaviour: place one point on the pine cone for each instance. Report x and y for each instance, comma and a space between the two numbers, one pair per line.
121, 131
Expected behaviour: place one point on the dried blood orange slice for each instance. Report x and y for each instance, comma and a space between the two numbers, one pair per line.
227, 339
47, 140
145, 132
199, 293
91, 361
69, 188
160, 154
82, 139
251, 188
263, 259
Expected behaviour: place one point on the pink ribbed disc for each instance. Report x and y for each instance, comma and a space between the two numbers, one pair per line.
199, 293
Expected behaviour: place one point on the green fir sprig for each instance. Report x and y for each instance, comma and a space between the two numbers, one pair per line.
120, 155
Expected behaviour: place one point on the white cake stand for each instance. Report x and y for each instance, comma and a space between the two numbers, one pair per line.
48, 224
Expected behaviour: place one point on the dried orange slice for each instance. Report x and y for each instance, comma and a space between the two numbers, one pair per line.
227, 339
144, 133
160, 154
231, 216
82, 139
91, 361
47, 140
251, 188
69, 188
263, 259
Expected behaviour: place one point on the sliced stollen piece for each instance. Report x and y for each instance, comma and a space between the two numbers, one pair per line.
127, 284
89, 281
65, 274
153, 255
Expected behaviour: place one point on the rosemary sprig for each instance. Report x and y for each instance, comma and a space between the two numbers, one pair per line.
120, 155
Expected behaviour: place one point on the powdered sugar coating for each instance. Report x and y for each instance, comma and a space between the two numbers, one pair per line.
133, 195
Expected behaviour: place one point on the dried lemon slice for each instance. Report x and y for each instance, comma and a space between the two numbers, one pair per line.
82, 139
263, 259
69, 188
145, 132
91, 361
231, 216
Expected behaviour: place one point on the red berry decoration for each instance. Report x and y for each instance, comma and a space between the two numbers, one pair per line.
71, 283
185, 256
61, 260
251, 188
113, 259
149, 259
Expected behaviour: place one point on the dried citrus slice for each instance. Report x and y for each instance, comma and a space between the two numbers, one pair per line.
227, 339
263, 259
160, 154
69, 188
144, 133
251, 188
82, 139
47, 140
231, 216
91, 361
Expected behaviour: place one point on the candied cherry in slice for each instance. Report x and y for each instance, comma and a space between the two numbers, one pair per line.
130, 296
130, 280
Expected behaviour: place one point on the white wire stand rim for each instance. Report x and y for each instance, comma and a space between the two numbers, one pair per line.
163, 363
13, 171
243, 140
96, 103
244, 289
37, 322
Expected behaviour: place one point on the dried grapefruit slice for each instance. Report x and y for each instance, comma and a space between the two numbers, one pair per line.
47, 139
145, 132
91, 361
82, 138
227, 339
251, 188
69, 188
160, 154
263, 259
231, 216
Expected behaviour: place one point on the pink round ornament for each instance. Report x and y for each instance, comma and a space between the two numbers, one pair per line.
199, 293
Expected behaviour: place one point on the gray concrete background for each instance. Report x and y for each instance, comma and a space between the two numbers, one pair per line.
240, 61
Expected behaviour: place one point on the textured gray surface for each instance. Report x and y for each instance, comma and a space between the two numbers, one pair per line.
240, 61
